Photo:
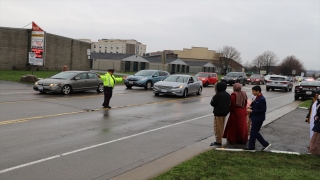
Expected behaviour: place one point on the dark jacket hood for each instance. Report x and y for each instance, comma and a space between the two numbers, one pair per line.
221, 86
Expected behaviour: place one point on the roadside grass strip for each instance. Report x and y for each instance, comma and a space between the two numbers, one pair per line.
245, 165
306, 104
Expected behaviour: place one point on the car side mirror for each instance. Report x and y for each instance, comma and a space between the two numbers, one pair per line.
77, 78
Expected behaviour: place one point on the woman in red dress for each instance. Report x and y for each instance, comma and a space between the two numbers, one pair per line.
236, 130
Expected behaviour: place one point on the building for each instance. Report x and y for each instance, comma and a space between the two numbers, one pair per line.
119, 62
202, 53
15, 45
120, 46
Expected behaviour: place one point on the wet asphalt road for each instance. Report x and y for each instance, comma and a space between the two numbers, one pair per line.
53, 136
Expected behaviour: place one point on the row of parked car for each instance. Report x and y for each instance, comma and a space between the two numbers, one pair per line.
163, 83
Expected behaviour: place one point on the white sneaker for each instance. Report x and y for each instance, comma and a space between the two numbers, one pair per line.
263, 149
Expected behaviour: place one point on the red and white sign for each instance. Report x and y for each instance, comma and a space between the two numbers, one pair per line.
37, 45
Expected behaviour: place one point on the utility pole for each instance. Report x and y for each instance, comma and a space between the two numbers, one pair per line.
163, 59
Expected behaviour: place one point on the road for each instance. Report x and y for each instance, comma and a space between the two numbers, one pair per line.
53, 136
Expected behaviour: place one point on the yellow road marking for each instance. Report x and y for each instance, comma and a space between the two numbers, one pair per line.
14, 121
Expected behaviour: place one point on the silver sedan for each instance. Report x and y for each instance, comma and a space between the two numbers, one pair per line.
180, 85
70, 81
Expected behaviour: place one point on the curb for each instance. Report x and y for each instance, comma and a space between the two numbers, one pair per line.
165, 163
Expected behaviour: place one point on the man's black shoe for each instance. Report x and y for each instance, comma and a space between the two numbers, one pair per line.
264, 148
216, 144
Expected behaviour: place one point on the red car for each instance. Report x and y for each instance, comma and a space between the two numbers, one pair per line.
256, 79
207, 78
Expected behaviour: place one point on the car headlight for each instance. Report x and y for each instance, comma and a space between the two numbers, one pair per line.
51, 85
143, 79
176, 87
222, 78
36, 83
234, 78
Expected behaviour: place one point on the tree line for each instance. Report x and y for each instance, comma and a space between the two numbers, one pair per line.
268, 62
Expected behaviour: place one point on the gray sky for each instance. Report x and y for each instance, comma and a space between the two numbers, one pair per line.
286, 27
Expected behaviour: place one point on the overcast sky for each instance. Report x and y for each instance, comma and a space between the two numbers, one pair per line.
286, 27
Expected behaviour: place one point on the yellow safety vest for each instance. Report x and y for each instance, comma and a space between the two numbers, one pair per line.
109, 80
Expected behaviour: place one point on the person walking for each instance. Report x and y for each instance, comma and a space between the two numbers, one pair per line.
220, 103
108, 84
314, 147
312, 112
65, 68
258, 115
236, 131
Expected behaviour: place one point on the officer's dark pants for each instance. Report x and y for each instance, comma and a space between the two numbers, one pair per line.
255, 135
107, 96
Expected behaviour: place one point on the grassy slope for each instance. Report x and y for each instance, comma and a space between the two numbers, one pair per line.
306, 104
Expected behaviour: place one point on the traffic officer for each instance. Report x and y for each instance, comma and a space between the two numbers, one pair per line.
108, 84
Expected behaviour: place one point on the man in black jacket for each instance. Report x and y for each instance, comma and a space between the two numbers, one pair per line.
220, 103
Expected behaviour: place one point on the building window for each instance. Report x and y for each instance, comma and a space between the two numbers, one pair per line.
117, 47
111, 51
117, 51
122, 46
106, 46
111, 47
94, 46
100, 46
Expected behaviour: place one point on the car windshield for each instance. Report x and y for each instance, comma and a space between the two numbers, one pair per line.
255, 76
181, 79
144, 73
310, 83
202, 75
232, 74
278, 78
64, 75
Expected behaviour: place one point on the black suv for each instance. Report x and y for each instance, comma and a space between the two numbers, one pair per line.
235, 77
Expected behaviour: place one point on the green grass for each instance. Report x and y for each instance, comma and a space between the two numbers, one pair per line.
14, 75
306, 104
245, 165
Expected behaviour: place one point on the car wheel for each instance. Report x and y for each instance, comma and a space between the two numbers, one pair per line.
42, 92
185, 93
156, 94
100, 88
296, 97
272, 89
66, 89
199, 91
268, 89
128, 86
148, 85
244, 83
207, 84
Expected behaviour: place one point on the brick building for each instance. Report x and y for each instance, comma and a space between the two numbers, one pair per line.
15, 44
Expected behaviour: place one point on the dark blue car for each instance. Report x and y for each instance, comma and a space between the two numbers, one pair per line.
145, 78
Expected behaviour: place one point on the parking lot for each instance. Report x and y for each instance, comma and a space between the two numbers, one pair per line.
72, 137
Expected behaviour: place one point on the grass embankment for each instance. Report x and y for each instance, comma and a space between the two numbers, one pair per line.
15, 75
306, 104
246, 165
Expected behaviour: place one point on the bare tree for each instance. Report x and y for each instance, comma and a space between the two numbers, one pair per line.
226, 55
259, 62
270, 59
247, 65
289, 64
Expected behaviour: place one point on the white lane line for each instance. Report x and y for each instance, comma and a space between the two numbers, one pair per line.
97, 145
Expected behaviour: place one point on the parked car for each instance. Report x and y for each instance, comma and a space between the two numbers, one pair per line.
180, 85
279, 82
70, 81
207, 78
307, 79
306, 89
145, 78
235, 77
266, 78
256, 79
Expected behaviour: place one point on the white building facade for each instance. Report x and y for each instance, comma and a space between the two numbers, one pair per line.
121, 46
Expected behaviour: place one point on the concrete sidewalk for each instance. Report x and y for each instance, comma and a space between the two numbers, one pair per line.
284, 128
